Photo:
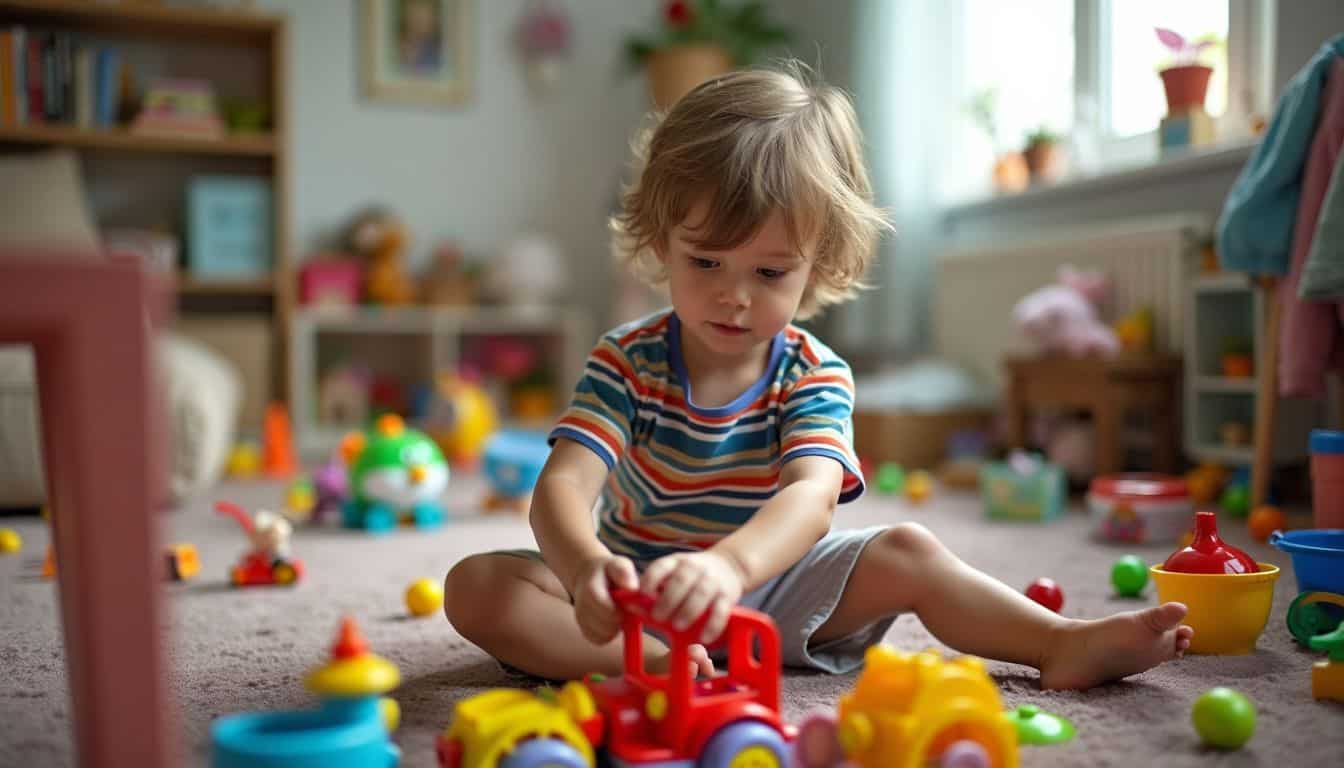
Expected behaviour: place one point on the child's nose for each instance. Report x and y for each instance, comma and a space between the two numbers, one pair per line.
735, 294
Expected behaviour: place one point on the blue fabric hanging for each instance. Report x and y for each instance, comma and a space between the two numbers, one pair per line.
1255, 230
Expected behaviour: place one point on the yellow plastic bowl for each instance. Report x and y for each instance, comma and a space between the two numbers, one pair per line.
1227, 611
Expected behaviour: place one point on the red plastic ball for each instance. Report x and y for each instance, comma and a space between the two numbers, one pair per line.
1046, 592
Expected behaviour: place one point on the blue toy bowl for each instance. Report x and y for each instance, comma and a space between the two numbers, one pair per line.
1318, 558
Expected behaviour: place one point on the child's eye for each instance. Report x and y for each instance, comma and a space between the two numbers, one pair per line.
700, 263
771, 274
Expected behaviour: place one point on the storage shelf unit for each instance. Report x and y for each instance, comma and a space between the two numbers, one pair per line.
1222, 306
419, 342
250, 48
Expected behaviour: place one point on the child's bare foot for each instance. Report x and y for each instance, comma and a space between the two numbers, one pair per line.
701, 665
1088, 653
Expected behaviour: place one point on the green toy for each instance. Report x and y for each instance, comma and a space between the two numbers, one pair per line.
1037, 727
890, 478
1224, 718
1129, 576
396, 474
1236, 500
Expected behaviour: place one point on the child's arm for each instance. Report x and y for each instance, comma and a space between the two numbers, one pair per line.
562, 521
776, 537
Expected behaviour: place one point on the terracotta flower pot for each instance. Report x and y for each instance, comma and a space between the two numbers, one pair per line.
1237, 366
1010, 172
1185, 86
1044, 160
674, 71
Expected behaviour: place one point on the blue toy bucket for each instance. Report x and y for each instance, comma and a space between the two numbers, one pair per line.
1318, 558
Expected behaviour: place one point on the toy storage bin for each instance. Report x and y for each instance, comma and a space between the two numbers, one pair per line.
1012, 494
1140, 508
1318, 558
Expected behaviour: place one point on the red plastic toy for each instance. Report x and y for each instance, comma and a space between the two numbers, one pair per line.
1046, 592
269, 561
1208, 553
642, 718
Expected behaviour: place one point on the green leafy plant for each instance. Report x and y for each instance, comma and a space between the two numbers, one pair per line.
741, 30
1041, 136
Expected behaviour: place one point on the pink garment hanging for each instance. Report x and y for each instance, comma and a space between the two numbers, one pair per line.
1310, 340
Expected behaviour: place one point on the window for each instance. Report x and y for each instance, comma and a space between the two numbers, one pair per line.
1087, 70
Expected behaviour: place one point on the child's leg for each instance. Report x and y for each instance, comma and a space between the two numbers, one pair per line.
517, 611
907, 569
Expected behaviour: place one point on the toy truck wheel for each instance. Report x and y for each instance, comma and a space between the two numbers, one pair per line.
745, 745
543, 753
818, 742
284, 573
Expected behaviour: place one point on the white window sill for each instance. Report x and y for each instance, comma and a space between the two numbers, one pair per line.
1204, 160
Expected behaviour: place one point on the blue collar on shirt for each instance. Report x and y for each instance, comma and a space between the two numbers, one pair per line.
741, 401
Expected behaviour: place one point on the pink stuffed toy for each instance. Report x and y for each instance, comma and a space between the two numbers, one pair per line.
1064, 317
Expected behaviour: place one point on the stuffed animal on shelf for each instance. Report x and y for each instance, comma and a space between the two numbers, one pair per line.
381, 240
1064, 317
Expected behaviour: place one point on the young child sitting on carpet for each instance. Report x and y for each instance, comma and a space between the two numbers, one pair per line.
715, 436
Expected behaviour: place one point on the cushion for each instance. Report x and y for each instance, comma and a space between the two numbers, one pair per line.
44, 202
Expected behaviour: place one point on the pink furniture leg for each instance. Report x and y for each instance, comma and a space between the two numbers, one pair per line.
89, 323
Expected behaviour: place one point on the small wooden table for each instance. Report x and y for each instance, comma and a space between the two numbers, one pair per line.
1106, 388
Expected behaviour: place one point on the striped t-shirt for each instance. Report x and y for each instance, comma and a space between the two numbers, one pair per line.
683, 476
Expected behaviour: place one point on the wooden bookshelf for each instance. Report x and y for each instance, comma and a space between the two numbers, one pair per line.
128, 19
261, 38
259, 145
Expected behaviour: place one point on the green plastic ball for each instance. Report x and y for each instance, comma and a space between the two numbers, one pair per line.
890, 478
1236, 500
1223, 718
1129, 575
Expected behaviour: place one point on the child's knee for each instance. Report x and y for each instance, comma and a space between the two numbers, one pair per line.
909, 542
466, 592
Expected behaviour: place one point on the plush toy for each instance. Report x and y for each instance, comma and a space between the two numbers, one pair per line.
396, 474
381, 240
1064, 317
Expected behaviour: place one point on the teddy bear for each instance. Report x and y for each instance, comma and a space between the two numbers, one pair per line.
1064, 317
381, 239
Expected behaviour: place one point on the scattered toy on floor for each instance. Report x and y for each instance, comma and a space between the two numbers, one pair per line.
1318, 566
1036, 727
890, 478
1046, 592
10, 541
332, 485
269, 561
182, 561
424, 597
1228, 594
1265, 520
349, 728
397, 474
513, 460
1327, 675
1129, 575
244, 461
300, 499
1223, 718
918, 486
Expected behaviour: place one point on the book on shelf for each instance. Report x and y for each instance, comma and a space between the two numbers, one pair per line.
49, 78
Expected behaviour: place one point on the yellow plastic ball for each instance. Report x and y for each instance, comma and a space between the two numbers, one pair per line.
10, 541
918, 486
423, 597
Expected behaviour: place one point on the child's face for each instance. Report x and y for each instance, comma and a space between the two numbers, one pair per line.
732, 302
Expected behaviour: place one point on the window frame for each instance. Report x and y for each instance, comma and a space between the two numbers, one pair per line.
1249, 78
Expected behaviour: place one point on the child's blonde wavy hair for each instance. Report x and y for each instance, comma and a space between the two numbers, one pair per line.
751, 143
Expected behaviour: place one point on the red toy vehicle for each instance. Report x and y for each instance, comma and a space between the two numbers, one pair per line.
269, 561
639, 718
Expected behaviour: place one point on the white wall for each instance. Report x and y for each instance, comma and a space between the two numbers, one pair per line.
479, 173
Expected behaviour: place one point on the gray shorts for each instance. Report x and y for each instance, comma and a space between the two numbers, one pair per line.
802, 598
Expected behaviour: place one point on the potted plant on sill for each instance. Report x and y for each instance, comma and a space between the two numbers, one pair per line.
1185, 80
698, 40
1236, 359
1010, 168
1043, 154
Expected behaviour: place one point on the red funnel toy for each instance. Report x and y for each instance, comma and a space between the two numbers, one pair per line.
1208, 553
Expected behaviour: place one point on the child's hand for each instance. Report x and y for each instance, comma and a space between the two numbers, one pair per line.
688, 585
598, 618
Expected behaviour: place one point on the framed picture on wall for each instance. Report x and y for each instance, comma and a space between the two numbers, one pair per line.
417, 51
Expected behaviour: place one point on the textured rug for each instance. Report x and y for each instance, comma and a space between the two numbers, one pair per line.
235, 650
